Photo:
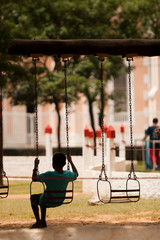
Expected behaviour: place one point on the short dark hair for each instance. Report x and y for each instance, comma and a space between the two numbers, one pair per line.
59, 159
155, 120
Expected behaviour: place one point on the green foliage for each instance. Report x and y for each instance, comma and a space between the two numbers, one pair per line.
137, 19
6, 38
52, 88
21, 85
70, 19
60, 19
88, 70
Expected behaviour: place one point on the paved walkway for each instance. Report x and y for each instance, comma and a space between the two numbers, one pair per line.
98, 232
22, 166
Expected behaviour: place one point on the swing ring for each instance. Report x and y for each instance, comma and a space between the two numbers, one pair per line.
134, 176
129, 58
35, 59
101, 59
65, 59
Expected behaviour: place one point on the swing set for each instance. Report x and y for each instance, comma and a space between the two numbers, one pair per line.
119, 195
101, 48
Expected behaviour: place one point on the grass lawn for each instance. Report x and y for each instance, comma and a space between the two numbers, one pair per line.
17, 209
23, 187
142, 168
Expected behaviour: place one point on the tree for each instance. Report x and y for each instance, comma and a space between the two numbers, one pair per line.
146, 24
21, 90
81, 19
5, 67
88, 70
47, 19
52, 90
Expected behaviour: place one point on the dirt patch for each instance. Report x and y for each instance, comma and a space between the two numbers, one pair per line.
18, 196
81, 221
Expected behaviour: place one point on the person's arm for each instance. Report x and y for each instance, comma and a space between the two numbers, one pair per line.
147, 133
35, 170
145, 137
74, 169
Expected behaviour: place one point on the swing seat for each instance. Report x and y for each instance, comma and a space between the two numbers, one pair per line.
126, 195
50, 201
121, 195
58, 200
4, 189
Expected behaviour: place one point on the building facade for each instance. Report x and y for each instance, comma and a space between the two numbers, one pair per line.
18, 125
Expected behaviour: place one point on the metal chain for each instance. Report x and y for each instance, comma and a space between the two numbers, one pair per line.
102, 121
35, 60
130, 118
1, 110
65, 60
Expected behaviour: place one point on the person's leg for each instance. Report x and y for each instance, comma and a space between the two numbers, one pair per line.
43, 216
157, 157
151, 155
34, 205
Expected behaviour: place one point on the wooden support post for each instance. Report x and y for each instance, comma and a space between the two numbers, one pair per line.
101, 47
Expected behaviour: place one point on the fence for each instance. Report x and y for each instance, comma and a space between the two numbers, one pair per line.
18, 128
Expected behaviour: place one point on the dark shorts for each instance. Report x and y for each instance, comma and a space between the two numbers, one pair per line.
35, 198
35, 201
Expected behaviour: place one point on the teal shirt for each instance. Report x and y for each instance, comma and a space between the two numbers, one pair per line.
55, 181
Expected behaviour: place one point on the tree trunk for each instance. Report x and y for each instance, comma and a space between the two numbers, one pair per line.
59, 126
92, 122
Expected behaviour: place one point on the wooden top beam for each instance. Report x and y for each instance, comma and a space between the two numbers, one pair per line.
121, 47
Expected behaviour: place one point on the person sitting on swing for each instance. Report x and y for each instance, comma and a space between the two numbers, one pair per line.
55, 181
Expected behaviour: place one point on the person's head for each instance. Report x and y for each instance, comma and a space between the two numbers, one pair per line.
58, 160
155, 120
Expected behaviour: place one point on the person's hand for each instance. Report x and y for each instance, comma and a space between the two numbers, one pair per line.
69, 158
36, 163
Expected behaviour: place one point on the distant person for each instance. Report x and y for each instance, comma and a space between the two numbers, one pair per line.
55, 181
152, 134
